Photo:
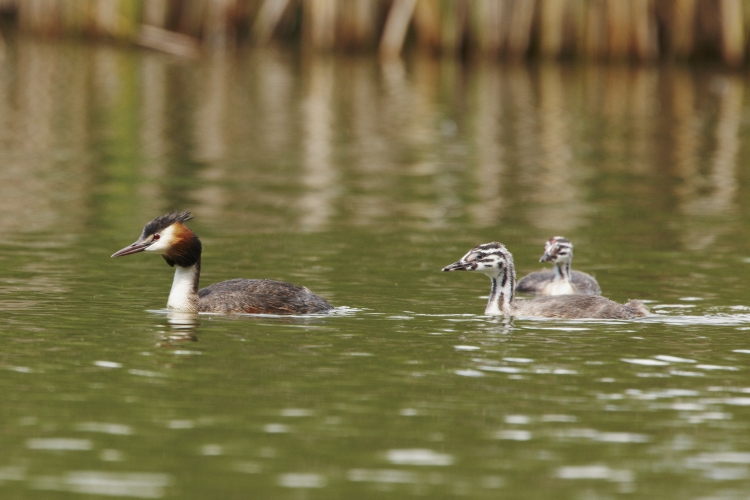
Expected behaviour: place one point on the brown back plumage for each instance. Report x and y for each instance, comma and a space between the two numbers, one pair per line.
578, 307
260, 297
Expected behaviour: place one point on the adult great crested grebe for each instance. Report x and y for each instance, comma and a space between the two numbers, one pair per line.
181, 248
494, 260
561, 280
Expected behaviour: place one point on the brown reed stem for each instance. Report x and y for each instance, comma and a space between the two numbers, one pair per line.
519, 28
191, 17
454, 21
619, 28
551, 14
217, 34
644, 29
732, 33
682, 27
267, 20
357, 23
426, 17
395, 29
170, 42
155, 13
485, 23
595, 39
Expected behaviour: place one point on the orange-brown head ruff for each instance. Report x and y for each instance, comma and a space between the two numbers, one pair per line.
168, 236
184, 246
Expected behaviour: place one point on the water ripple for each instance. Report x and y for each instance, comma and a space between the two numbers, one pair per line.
418, 456
301, 480
382, 476
59, 444
594, 472
117, 429
126, 484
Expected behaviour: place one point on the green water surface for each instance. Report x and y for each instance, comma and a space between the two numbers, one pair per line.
361, 181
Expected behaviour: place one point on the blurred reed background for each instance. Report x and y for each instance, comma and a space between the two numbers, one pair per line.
89, 133
639, 30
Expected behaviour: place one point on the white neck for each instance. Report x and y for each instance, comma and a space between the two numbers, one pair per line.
184, 293
501, 294
562, 270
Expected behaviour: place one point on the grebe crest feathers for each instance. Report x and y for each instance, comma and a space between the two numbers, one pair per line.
164, 221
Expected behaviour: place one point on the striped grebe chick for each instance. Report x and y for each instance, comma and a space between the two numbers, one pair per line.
181, 248
494, 260
561, 280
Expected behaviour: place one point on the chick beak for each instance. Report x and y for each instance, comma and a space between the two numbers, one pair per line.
458, 266
547, 257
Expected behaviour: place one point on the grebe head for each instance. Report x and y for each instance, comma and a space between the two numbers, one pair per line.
491, 259
557, 249
168, 236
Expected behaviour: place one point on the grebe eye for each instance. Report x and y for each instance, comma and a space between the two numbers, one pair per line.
156, 237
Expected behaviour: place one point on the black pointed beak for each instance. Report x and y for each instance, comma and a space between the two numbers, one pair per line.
136, 247
458, 266
546, 257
